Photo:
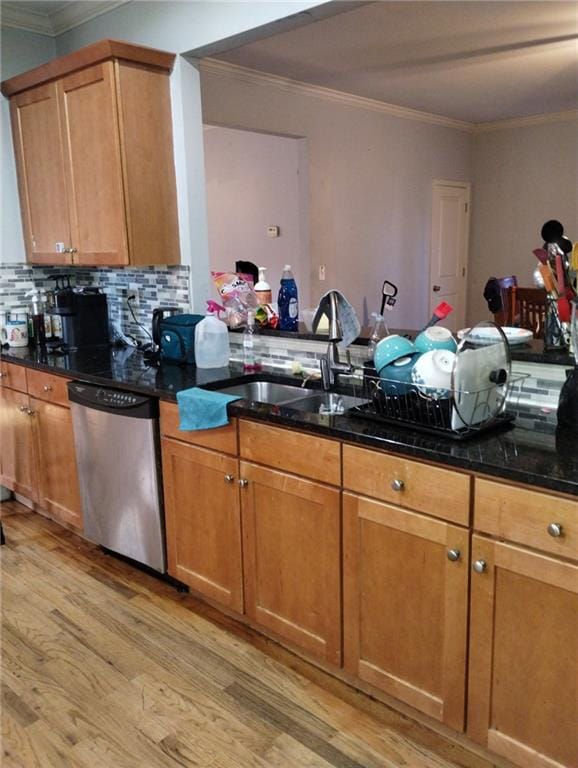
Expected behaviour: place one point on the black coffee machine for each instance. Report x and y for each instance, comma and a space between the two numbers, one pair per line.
80, 317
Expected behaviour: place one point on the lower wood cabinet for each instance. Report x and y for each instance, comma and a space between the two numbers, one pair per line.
203, 521
58, 490
17, 456
523, 678
291, 552
405, 591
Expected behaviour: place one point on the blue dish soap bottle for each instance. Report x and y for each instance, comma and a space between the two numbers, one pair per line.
288, 302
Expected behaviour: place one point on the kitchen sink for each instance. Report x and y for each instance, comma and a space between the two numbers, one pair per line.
326, 403
268, 392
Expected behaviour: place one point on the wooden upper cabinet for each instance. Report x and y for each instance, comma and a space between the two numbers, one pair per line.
405, 605
39, 158
93, 142
523, 676
93, 166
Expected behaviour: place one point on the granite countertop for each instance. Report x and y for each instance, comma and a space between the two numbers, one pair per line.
519, 454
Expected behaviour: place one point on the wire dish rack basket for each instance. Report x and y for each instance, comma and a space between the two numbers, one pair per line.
460, 415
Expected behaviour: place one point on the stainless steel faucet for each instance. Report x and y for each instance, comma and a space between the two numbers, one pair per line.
330, 365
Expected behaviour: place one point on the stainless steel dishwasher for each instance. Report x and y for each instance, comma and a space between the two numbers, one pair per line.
116, 437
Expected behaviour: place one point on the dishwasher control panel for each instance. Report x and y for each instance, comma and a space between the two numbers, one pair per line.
113, 400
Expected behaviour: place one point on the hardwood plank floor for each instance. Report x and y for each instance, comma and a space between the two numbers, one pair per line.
104, 666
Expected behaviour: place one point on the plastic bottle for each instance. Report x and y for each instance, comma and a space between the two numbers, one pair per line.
212, 348
263, 289
251, 361
288, 301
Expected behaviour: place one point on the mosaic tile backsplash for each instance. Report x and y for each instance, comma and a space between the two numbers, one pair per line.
158, 286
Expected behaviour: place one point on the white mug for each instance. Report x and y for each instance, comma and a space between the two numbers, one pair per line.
14, 332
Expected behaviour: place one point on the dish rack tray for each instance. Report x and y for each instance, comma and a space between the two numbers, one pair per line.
461, 416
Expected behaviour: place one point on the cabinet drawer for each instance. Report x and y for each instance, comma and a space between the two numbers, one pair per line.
527, 517
13, 376
222, 439
435, 491
294, 452
47, 386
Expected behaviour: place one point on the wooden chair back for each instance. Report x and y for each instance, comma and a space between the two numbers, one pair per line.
527, 309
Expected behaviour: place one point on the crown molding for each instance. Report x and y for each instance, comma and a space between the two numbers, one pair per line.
252, 76
521, 122
65, 17
20, 18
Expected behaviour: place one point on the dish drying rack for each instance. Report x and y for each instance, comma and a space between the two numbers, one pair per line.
462, 415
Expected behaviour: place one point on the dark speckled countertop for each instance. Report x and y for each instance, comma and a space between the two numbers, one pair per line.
548, 461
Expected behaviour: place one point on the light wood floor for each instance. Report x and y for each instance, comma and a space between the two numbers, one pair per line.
106, 667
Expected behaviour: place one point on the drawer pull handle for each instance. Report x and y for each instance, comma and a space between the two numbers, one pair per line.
453, 555
243, 483
229, 478
397, 485
480, 566
47, 388
556, 530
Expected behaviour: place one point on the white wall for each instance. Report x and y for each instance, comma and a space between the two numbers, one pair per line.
523, 177
253, 181
370, 187
19, 51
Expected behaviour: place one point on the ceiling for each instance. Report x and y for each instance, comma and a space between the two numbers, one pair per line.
472, 61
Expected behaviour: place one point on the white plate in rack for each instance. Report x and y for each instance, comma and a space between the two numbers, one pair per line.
484, 336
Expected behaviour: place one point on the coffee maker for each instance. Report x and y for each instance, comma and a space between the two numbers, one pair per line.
80, 316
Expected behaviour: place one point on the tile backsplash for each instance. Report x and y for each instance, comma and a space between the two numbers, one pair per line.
156, 286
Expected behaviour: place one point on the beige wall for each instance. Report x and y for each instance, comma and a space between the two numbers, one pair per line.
370, 187
522, 177
255, 180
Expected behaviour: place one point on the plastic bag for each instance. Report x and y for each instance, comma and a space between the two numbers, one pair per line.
237, 296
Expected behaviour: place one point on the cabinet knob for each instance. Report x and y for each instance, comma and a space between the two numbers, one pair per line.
229, 478
2, 375
556, 530
243, 483
436, 288
70, 250
480, 566
47, 388
397, 485
453, 555
23, 408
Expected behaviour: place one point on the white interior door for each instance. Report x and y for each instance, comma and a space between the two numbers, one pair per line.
449, 249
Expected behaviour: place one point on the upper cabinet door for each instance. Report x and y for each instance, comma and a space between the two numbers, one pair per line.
39, 153
93, 165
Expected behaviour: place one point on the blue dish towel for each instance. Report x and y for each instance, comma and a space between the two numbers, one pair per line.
201, 409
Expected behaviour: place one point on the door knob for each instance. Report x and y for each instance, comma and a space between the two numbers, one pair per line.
436, 288
454, 555
480, 566
243, 483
